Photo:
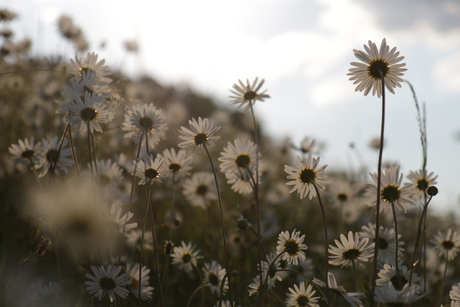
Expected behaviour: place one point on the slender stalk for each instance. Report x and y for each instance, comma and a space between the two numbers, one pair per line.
227, 266
325, 243
355, 275
74, 154
142, 241
396, 246
379, 177
441, 286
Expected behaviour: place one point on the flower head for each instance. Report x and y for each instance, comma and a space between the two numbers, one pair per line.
200, 189
301, 296
292, 247
42, 294
152, 170
89, 65
393, 297
177, 163
447, 245
201, 134
353, 298
214, 275
454, 295
391, 190
421, 181
185, 256
239, 159
248, 93
377, 64
389, 273
26, 151
146, 121
53, 157
353, 249
132, 272
107, 281
387, 242
305, 176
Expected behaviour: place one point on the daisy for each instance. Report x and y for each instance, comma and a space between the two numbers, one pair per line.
42, 294
291, 246
26, 152
201, 134
377, 63
389, 274
185, 256
447, 245
132, 272
54, 158
214, 274
391, 190
241, 183
305, 176
151, 170
248, 94
421, 181
353, 298
179, 164
199, 190
144, 120
389, 295
301, 296
350, 250
454, 295
272, 268
239, 159
254, 287
107, 281
387, 242
121, 222
343, 192
89, 65
134, 239
109, 173
88, 111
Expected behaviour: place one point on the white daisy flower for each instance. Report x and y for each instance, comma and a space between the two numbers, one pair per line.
239, 159
301, 296
109, 174
377, 63
214, 275
305, 175
389, 295
45, 295
107, 281
387, 242
389, 274
447, 245
89, 65
201, 134
454, 295
342, 192
353, 298
353, 249
145, 120
185, 256
200, 189
151, 170
391, 190
291, 246
247, 94
26, 151
178, 163
132, 271
88, 111
54, 158
134, 239
121, 222
421, 181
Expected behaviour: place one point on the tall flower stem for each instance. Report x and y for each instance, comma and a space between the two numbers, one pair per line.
379, 183
441, 286
396, 246
224, 236
325, 243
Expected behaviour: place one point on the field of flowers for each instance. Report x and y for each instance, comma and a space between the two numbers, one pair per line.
124, 192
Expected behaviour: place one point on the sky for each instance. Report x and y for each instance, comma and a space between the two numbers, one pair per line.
303, 50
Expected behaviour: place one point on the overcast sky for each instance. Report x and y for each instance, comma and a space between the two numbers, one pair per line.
303, 49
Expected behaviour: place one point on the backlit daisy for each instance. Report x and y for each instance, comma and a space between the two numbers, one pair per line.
342, 192
200, 189
242, 184
447, 245
25, 152
291, 246
109, 174
201, 134
132, 271
89, 65
421, 181
391, 297
45, 295
301, 296
239, 159
389, 274
454, 295
353, 298
354, 249
248, 93
145, 120
107, 281
213, 277
185, 256
377, 63
151, 170
305, 176
178, 163
391, 190
88, 111
53, 157
121, 221
387, 242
